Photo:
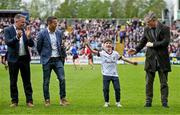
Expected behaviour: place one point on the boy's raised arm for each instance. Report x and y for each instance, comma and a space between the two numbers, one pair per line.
93, 51
128, 61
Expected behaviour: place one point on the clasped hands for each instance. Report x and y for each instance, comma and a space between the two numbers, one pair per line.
27, 32
19, 34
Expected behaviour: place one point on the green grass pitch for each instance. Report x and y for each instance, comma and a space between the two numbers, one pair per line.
84, 91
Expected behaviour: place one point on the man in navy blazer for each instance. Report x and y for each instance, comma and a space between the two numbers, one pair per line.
49, 43
18, 40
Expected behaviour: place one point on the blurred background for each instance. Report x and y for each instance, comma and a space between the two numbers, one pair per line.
95, 20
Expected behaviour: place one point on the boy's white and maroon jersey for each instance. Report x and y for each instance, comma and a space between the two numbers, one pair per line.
109, 63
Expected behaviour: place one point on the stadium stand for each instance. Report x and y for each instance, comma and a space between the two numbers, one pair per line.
125, 35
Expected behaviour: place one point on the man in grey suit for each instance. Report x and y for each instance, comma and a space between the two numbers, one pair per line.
156, 38
49, 43
18, 40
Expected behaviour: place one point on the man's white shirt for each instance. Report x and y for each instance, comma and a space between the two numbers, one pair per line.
109, 63
22, 51
53, 39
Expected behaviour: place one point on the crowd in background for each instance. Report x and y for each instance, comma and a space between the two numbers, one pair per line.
127, 32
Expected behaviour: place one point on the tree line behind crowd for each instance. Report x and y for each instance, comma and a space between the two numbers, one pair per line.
86, 8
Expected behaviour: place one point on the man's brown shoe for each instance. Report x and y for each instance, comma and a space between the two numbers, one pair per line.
47, 102
64, 102
14, 105
30, 104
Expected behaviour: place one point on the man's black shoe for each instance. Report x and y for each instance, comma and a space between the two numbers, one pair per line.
148, 105
165, 105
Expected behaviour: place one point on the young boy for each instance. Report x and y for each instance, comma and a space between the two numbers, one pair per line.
109, 60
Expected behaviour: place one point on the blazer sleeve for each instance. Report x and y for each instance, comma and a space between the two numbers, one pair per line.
39, 42
30, 42
9, 40
142, 43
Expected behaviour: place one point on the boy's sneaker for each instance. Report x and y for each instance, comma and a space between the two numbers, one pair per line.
118, 104
106, 104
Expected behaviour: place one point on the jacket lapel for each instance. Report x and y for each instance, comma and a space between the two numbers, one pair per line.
47, 36
13, 30
58, 39
24, 36
149, 35
158, 29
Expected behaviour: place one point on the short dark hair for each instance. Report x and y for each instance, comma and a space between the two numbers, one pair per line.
18, 16
150, 16
107, 40
50, 18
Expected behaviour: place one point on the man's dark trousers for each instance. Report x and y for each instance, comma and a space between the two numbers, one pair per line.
163, 85
23, 65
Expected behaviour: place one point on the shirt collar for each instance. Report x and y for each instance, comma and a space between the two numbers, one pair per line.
50, 31
14, 27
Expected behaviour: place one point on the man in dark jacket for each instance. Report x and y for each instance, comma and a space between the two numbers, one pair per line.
156, 38
18, 40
